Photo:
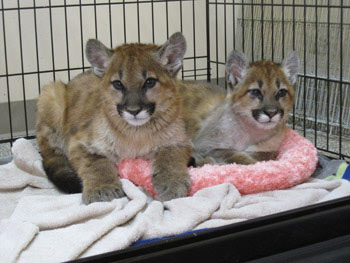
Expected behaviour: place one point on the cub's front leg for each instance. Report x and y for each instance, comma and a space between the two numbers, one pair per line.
98, 174
202, 160
250, 157
240, 158
170, 174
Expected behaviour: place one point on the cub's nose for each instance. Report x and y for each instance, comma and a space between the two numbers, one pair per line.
134, 110
270, 112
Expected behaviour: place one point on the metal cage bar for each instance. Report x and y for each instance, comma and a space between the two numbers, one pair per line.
262, 29
320, 113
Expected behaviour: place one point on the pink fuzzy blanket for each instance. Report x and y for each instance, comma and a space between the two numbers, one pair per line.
295, 163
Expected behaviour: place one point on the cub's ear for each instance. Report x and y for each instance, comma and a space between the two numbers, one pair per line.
98, 55
290, 66
171, 54
236, 67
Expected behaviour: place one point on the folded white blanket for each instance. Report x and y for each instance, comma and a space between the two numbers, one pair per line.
40, 224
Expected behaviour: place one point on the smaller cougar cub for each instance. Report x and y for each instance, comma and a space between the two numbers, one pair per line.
248, 125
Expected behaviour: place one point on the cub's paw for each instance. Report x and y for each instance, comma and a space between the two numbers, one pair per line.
206, 160
102, 193
171, 186
202, 160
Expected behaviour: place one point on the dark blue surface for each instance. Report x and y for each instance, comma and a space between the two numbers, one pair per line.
346, 175
142, 242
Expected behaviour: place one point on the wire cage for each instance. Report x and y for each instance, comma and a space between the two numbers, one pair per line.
44, 40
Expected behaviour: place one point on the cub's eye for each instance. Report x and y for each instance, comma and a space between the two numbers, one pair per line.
118, 85
281, 93
256, 93
150, 83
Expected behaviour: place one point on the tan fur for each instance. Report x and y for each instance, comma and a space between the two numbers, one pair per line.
199, 99
79, 127
223, 129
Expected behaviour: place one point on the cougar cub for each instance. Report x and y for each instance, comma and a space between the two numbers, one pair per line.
247, 124
127, 106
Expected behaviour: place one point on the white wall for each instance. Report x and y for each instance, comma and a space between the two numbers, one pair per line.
75, 42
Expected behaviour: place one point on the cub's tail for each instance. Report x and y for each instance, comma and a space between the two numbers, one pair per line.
49, 130
60, 172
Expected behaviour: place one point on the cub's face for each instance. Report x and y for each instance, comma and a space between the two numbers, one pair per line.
137, 86
137, 80
262, 93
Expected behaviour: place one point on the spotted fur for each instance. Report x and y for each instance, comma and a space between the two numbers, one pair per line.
247, 124
126, 106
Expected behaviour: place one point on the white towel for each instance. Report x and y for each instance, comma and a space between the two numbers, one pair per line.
41, 224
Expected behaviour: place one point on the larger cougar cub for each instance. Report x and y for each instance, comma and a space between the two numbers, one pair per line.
127, 106
247, 124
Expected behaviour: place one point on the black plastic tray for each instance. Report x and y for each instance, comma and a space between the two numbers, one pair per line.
317, 233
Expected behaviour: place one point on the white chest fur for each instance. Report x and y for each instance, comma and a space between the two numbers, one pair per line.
136, 143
